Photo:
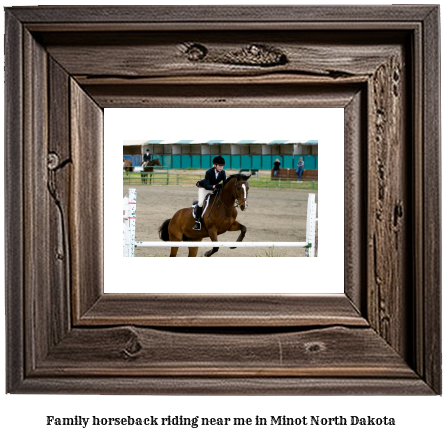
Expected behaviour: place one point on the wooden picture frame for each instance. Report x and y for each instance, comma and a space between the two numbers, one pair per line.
65, 64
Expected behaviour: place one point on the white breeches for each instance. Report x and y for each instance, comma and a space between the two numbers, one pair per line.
202, 192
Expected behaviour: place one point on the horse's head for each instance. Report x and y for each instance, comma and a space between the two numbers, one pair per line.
127, 165
241, 187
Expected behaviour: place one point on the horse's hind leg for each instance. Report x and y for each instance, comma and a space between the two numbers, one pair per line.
174, 238
237, 226
213, 235
192, 252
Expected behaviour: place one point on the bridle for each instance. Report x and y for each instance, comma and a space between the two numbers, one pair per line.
236, 197
218, 198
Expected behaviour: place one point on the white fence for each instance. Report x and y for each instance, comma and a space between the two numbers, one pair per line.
129, 205
129, 208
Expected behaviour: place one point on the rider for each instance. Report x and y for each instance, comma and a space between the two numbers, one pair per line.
214, 178
146, 157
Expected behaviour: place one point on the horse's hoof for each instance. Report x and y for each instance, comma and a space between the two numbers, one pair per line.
232, 247
208, 253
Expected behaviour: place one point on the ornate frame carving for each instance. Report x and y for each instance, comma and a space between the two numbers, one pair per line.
64, 65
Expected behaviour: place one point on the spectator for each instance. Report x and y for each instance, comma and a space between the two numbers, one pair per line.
300, 168
276, 166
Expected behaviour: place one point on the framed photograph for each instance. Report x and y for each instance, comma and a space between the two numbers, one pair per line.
277, 211
380, 333
167, 196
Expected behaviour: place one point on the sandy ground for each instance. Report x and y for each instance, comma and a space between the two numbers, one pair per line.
273, 215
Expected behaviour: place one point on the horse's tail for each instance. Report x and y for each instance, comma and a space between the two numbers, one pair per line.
163, 230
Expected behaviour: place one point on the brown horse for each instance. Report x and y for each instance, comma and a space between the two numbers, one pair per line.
149, 167
219, 217
127, 165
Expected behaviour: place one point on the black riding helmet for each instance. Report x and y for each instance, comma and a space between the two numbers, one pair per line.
219, 160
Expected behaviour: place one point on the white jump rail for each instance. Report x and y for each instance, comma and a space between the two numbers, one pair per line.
129, 235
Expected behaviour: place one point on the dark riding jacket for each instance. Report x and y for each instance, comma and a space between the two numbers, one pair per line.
210, 179
146, 158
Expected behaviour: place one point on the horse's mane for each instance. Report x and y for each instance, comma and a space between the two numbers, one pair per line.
242, 175
149, 163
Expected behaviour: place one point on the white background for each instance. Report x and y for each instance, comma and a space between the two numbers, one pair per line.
259, 274
25, 414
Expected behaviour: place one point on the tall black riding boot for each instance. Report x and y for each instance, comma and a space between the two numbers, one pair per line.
198, 215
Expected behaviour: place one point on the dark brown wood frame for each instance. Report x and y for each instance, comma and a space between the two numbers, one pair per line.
64, 65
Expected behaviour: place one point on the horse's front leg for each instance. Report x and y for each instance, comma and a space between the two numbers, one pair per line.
213, 236
237, 226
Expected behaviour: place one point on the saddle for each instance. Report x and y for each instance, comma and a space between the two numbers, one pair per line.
195, 200
205, 204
